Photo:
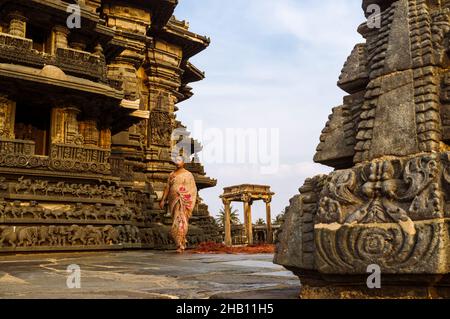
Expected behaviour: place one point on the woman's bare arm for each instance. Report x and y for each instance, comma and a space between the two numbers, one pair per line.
162, 203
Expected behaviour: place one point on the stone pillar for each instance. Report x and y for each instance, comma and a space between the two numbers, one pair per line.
90, 132
105, 139
7, 117
269, 221
57, 126
60, 35
245, 221
17, 24
248, 223
64, 126
227, 223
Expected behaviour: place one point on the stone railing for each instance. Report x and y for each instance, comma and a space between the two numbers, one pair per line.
16, 42
81, 62
80, 158
63, 157
19, 50
17, 147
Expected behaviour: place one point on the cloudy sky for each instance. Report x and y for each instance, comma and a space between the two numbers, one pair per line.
272, 64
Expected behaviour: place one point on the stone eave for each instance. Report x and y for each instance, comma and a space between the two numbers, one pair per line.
187, 93
161, 10
23, 83
134, 108
253, 190
124, 119
192, 74
204, 181
141, 114
128, 114
29, 74
247, 185
190, 42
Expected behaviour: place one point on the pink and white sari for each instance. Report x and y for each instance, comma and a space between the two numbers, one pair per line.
182, 198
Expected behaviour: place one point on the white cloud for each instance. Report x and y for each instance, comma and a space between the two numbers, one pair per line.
317, 23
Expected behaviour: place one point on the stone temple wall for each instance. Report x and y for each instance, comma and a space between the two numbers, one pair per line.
86, 122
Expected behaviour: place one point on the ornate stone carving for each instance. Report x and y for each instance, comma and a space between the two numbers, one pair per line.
32, 212
62, 157
160, 128
17, 24
20, 50
385, 244
386, 202
7, 118
61, 236
88, 129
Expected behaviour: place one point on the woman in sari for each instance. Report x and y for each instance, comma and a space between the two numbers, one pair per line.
181, 194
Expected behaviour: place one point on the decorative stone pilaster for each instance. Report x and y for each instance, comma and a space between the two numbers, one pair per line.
88, 129
105, 139
60, 35
17, 24
64, 126
7, 117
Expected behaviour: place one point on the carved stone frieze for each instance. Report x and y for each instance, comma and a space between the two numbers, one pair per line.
160, 128
388, 212
62, 237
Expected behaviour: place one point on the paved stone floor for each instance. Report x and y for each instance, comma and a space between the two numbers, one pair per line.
146, 274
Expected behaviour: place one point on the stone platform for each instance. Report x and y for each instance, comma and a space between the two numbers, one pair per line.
145, 274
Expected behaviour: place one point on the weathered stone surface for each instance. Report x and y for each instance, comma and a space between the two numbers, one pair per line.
355, 74
350, 249
333, 148
388, 205
295, 243
394, 128
144, 274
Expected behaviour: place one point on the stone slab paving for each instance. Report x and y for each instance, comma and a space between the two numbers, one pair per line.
146, 274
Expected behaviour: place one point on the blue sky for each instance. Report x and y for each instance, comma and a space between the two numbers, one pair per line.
271, 64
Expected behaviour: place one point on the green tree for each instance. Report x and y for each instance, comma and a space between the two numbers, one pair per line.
234, 217
279, 219
260, 221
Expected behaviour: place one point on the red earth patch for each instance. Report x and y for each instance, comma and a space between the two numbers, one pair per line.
215, 248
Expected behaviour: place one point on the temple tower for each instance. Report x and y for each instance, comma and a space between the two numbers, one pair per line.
385, 205
86, 116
